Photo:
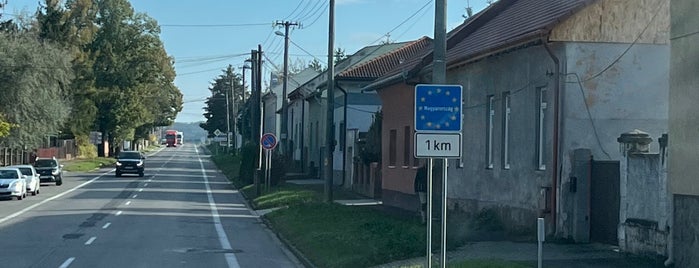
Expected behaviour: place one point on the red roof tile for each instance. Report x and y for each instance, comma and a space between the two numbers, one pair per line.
381, 65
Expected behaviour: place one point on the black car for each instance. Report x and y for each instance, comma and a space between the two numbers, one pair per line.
130, 162
49, 169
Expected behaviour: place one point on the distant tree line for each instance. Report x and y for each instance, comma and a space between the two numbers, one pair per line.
78, 66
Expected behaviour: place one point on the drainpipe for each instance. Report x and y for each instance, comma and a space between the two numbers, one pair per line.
303, 137
556, 126
344, 143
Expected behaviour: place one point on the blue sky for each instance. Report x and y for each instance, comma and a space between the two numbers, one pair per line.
205, 36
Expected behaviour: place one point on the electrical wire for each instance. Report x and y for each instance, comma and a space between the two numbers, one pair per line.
308, 53
324, 7
635, 41
212, 25
302, 10
589, 114
293, 11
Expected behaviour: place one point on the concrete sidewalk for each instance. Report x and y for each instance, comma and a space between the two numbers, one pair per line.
555, 255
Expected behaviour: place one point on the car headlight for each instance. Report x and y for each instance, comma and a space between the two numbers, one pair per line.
140, 163
16, 185
118, 164
54, 172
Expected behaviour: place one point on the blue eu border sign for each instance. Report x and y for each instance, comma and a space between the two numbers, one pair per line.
438, 108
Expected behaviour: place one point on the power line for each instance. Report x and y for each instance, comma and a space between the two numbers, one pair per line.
302, 11
308, 53
292, 12
319, 15
213, 25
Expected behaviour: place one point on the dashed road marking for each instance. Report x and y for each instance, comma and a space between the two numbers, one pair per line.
140, 190
134, 196
89, 241
106, 225
67, 262
119, 212
128, 203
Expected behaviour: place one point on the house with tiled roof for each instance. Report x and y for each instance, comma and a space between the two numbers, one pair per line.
548, 86
307, 115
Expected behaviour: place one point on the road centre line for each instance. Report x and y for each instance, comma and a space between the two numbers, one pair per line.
13, 215
128, 203
119, 212
222, 237
140, 190
134, 196
106, 225
89, 241
145, 184
67, 262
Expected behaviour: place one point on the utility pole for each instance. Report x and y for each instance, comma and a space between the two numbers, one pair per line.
254, 112
330, 111
284, 132
439, 77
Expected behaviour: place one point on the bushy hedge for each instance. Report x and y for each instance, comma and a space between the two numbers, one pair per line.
249, 156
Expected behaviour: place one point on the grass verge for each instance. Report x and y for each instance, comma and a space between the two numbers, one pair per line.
82, 165
332, 235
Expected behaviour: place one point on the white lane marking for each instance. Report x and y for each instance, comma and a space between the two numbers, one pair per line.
89, 241
13, 215
134, 196
140, 190
145, 184
222, 237
119, 212
67, 262
106, 225
128, 203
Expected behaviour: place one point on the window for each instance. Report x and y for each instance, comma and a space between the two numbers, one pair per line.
406, 146
506, 130
392, 148
541, 128
489, 132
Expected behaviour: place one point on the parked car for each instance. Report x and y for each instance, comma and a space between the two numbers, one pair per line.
33, 181
130, 162
12, 183
50, 170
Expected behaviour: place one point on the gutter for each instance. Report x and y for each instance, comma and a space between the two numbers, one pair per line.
344, 143
556, 129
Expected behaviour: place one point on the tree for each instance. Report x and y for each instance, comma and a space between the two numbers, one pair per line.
339, 55
34, 79
315, 65
215, 111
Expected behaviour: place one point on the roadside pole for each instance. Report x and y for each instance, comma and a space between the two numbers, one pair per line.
438, 125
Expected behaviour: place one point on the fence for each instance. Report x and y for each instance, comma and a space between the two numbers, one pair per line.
67, 150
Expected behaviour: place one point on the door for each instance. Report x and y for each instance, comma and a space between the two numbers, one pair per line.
604, 202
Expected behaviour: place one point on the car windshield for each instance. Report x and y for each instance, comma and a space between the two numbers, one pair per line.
26, 171
45, 163
8, 174
129, 155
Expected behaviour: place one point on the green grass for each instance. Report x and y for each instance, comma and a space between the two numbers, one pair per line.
332, 235
82, 165
230, 166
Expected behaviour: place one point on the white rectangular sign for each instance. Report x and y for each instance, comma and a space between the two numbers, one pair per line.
437, 145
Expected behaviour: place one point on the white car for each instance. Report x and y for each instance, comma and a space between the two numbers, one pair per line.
12, 183
33, 181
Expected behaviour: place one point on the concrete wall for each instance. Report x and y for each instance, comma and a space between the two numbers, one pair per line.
622, 22
644, 214
516, 193
631, 94
683, 138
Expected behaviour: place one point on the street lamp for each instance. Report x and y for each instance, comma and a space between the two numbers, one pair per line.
285, 105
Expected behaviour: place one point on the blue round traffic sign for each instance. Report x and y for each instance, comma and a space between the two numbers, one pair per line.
268, 141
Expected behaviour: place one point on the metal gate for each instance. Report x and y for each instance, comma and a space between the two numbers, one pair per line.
604, 202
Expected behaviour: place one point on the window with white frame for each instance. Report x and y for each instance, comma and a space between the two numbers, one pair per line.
541, 128
489, 131
506, 130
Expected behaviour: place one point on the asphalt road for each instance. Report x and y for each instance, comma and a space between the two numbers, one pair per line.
183, 213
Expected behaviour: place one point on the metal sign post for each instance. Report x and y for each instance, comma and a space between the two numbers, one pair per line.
268, 142
438, 125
